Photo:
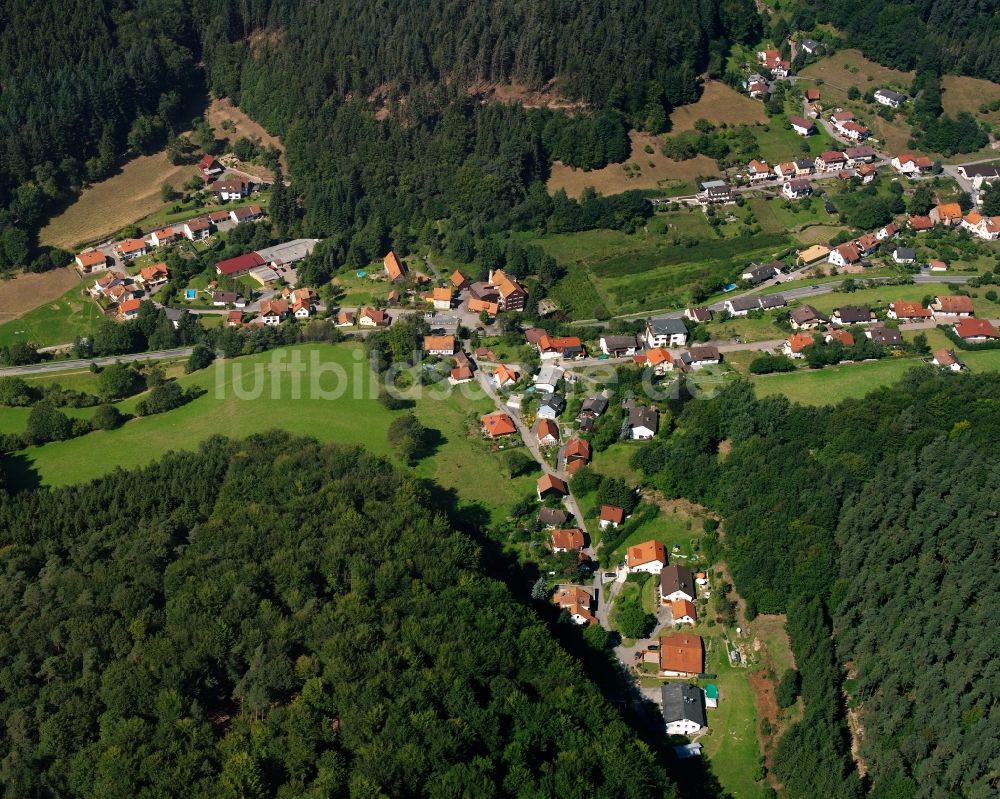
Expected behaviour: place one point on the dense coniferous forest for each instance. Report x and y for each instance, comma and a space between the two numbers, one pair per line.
873, 521
276, 618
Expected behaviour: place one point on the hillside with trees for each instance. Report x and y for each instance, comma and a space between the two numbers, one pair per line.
872, 526
274, 617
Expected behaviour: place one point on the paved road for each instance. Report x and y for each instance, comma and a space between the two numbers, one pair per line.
61, 366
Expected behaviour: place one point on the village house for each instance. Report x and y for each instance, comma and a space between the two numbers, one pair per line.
611, 516
920, 224
758, 273
662, 331
797, 188
758, 89
272, 312
830, 161
461, 374
947, 359
209, 167
700, 356
570, 540
373, 317
513, 295
906, 311
785, 170
885, 336
643, 423
129, 309
978, 174
935, 265
549, 485
153, 276
841, 336
904, 255
576, 454
478, 306
130, 249
439, 345
196, 229
441, 297
504, 377
716, 192
889, 98
757, 171
946, 214
104, 283
681, 654
985, 227
230, 189
91, 261
741, 306
553, 517
698, 315
577, 602
909, 164
852, 315
246, 213
804, 127
813, 95
805, 317
660, 360
867, 173
234, 319
804, 167
683, 612
976, 330
796, 343
683, 707
619, 346
497, 425
395, 270
345, 318
551, 406
548, 378
164, 236
458, 281
561, 347
953, 306
845, 254
854, 131
547, 432
649, 556
676, 582
591, 409
860, 154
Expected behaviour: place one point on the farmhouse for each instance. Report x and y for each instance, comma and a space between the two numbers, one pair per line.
649, 556
662, 331
976, 330
889, 98
239, 265
642, 423
570, 540
395, 270
497, 425
681, 655
844, 255
477, 306
91, 260
683, 708
908, 311
577, 602
513, 294
288, 253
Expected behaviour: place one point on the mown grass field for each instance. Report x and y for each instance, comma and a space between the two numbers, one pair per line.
646, 271
775, 218
27, 291
718, 103
59, 321
460, 462
778, 142
830, 385
962, 93
108, 206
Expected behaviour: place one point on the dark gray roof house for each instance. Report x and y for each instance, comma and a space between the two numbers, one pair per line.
758, 273
886, 336
853, 315
745, 303
594, 406
769, 301
553, 517
676, 578
807, 315
683, 702
643, 417
666, 326
555, 403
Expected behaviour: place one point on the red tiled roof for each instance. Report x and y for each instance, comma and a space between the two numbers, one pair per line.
955, 304
550, 481
976, 328
612, 513
567, 539
683, 607
910, 310
498, 424
921, 222
577, 448
842, 336
682, 653
92, 258
393, 266
241, 263
799, 341
646, 552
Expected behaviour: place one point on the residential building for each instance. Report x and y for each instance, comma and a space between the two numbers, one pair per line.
164, 236
758, 170
546, 431
553, 517
619, 346
889, 98
984, 227
716, 192
549, 485
504, 377
830, 161
885, 336
155, 275
91, 261
512, 294
643, 423
570, 540
104, 283
952, 306
233, 318
576, 453
904, 255
909, 164
698, 315
439, 345
906, 311
845, 254
551, 406
458, 281
860, 154
441, 297
976, 330
796, 343
684, 612
759, 273
660, 360
805, 317
681, 654
947, 359
700, 356
548, 378
197, 229
592, 408
395, 270
852, 315
129, 309
231, 189
797, 188
817, 252
560, 347
209, 167
804, 167
345, 318
978, 174
129, 249
804, 127
649, 556
785, 170
946, 214
662, 331
676, 582
497, 425
611, 516
867, 173
919, 224
741, 306
373, 317
246, 213
577, 602
683, 708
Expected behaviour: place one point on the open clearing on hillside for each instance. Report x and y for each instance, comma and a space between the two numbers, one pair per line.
27, 291
221, 110
718, 103
848, 68
656, 171
460, 462
57, 321
960, 93
110, 205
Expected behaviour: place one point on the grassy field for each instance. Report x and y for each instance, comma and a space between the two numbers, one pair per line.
775, 218
670, 528
759, 329
26, 291
832, 384
718, 103
961, 93
353, 418
108, 206
642, 170
847, 68
647, 271
613, 462
778, 142
57, 322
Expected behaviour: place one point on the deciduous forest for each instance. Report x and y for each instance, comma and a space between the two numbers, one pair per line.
872, 522
276, 618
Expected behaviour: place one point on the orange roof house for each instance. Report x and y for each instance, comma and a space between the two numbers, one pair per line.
903, 309
512, 293
645, 554
577, 602
394, 268
612, 514
547, 432
946, 213
577, 449
970, 328
684, 611
129, 308
681, 655
798, 342
956, 304
130, 246
461, 374
477, 306
842, 336
567, 540
442, 294
91, 259
505, 376
151, 274
458, 280
496, 425
550, 485
440, 345
234, 318
918, 222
